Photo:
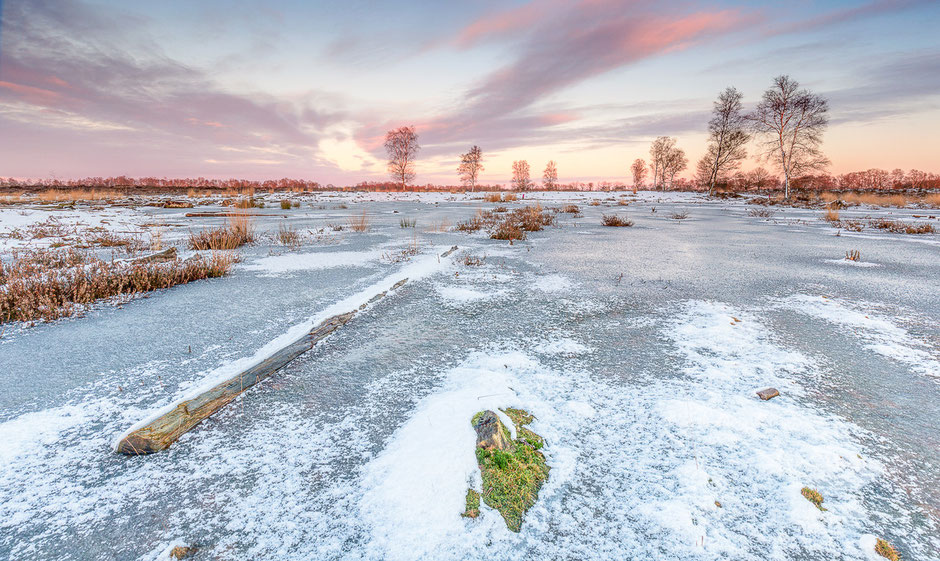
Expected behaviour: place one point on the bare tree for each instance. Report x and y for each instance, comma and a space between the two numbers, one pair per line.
791, 122
639, 173
471, 164
728, 136
673, 163
550, 176
659, 152
520, 175
760, 178
402, 146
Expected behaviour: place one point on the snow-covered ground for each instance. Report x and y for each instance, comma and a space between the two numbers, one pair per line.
639, 350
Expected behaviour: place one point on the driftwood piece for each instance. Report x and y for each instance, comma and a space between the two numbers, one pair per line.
768, 393
449, 251
159, 257
166, 429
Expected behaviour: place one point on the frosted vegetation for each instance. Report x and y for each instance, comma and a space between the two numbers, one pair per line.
637, 351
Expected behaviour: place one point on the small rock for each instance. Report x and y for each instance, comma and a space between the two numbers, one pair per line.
183, 551
768, 393
491, 434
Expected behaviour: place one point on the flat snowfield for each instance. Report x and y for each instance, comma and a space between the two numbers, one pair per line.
638, 350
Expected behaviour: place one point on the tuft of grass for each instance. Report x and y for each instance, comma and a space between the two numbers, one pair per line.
814, 496
236, 232
614, 220
761, 212
359, 223
679, 215
285, 204
831, 215
473, 504
48, 285
885, 550
472, 260
854, 255
408, 222
288, 235
570, 209
511, 480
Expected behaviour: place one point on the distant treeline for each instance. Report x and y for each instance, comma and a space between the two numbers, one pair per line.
754, 180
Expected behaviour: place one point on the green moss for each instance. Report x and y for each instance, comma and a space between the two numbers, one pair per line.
814, 496
512, 479
476, 418
473, 504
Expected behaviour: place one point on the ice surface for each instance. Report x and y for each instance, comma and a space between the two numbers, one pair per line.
637, 349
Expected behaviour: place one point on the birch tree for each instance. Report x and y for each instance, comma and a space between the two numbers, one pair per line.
727, 136
790, 122
401, 145
471, 164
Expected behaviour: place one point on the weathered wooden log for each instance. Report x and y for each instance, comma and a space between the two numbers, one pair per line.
449, 251
160, 433
159, 257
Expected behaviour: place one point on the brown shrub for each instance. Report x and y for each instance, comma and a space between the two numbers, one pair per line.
614, 220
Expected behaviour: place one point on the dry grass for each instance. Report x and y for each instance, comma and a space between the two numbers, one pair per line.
932, 200
73, 195
500, 197
898, 227
285, 204
288, 235
570, 209
761, 212
853, 255
679, 215
831, 215
617, 221
236, 232
359, 223
47, 285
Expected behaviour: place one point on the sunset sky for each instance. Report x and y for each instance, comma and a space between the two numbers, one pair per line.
308, 89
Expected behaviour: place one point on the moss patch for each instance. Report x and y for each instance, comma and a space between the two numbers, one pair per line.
473, 504
814, 496
512, 479
885, 550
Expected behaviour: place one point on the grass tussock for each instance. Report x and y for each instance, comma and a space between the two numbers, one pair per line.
885, 550
616, 221
236, 232
285, 204
407, 222
288, 235
761, 212
359, 223
512, 479
570, 209
500, 197
853, 255
831, 215
679, 215
47, 285
814, 496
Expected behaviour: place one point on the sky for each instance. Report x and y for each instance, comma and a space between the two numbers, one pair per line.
308, 89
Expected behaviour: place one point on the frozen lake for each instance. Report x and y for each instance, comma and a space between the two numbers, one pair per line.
638, 350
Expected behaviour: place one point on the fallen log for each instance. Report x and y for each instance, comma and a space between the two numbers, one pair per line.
768, 393
159, 257
158, 434
163, 431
